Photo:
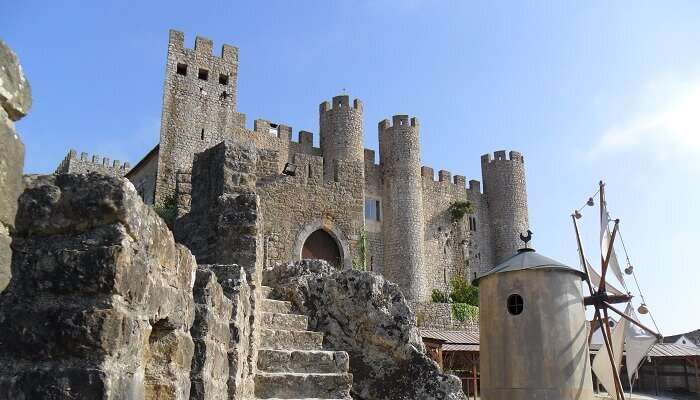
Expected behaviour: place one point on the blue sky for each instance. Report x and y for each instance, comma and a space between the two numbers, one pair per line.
586, 90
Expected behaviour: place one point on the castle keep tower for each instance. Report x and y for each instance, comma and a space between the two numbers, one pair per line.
399, 155
199, 105
504, 187
341, 134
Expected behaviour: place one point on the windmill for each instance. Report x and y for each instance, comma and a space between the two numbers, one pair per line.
603, 296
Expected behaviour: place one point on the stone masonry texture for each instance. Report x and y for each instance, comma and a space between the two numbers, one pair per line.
100, 303
85, 164
408, 233
15, 102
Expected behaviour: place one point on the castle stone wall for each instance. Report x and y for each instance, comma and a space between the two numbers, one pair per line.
84, 164
412, 239
452, 248
404, 222
295, 206
144, 176
341, 133
440, 316
504, 187
199, 105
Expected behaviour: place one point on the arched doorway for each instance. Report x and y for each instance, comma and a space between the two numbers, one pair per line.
321, 246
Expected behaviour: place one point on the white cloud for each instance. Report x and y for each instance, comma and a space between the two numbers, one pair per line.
669, 124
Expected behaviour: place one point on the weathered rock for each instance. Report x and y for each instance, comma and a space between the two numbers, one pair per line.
15, 93
100, 303
368, 317
224, 224
15, 99
211, 335
242, 349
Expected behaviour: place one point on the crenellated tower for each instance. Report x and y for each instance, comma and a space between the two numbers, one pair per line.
342, 135
504, 187
199, 105
399, 156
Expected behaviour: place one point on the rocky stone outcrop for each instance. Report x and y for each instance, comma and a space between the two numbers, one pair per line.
369, 318
224, 225
242, 349
100, 303
15, 93
211, 334
15, 101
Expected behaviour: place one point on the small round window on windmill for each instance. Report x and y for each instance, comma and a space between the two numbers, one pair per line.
515, 304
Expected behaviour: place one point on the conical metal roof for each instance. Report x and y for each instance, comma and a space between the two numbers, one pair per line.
527, 259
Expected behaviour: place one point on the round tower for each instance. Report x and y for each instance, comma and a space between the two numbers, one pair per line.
504, 187
402, 206
341, 134
533, 331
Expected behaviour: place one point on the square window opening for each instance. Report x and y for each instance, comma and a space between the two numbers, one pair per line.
372, 210
181, 69
223, 79
203, 74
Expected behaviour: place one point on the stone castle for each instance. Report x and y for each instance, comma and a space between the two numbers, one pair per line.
334, 202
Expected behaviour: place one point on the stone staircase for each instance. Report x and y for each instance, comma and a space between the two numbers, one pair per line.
291, 361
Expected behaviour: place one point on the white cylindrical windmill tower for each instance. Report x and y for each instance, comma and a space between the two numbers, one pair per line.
533, 332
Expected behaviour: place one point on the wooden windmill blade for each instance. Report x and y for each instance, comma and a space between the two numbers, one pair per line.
599, 298
603, 324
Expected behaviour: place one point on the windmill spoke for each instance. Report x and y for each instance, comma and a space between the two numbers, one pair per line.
606, 260
616, 376
608, 344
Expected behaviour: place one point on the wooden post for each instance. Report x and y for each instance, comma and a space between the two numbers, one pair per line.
685, 374
696, 364
656, 377
474, 375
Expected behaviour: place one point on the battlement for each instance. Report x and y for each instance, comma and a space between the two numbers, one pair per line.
85, 162
306, 138
398, 120
446, 178
474, 186
369, 156
266, 127
203, 47
340, 102
501, 156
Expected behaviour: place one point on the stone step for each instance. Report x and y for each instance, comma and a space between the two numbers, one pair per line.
303, 361
279, 339
295, 386
276, 306
265, 291
291, 322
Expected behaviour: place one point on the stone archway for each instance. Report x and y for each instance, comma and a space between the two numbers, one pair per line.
328, 228
321, 246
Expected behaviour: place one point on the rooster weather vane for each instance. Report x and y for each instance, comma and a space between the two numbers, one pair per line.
526, 238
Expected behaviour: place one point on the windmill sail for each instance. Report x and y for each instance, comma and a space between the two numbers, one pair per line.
638, 342
601, 363
595, 280
606, 242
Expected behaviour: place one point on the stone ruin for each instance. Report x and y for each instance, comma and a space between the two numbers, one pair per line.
104, 303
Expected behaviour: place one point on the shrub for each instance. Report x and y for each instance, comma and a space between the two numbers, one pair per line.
464, 292
459, 209
167, 209
463, 312
360, 262
439, 296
